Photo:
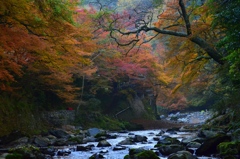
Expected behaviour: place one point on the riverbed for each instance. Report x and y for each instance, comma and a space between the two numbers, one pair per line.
108, 152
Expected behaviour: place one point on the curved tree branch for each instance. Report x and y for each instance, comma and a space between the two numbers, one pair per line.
211, 51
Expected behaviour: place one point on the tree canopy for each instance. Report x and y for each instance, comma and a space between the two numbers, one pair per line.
177, 48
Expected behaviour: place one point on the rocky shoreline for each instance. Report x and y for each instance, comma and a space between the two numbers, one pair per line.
197, 142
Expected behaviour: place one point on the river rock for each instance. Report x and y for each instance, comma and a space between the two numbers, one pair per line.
59, 133
61, 142
26, 151
41, 141
48, 151
103, 143
189, 128
83, 148
69, 128
141, 153
93, 131
182, 155
193, 145
161, 132
169, 149
118, 148
168, 140
172, 130
139, 138
207, 133
210, 146
89, 139
127, 141
156, 138
63, 153
185, 141
21, 141
96, 156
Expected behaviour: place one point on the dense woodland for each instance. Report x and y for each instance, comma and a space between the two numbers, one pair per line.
98, 56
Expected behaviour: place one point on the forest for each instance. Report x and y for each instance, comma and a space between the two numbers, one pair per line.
102, 57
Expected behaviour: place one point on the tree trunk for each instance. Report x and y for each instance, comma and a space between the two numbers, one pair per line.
213, 53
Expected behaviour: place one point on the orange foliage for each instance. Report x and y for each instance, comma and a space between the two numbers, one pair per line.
38, 41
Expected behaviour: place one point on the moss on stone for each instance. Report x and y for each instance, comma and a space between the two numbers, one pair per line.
14, 156
147, 154
229, 148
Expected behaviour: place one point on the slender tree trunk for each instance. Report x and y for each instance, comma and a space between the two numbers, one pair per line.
83, 78
154, 106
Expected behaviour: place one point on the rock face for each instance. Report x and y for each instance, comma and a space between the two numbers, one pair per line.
59, 118
135, 111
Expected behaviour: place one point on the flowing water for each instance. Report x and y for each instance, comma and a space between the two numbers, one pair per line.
110, 154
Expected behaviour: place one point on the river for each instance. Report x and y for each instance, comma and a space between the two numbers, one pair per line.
110, 154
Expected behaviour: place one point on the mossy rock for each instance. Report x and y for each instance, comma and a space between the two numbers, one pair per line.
229, 148
126, 157
76, 139
14, 156
141, 154
101, 134
147, 154
167, 141
25, 151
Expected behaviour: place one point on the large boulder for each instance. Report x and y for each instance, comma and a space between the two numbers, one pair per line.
209, 146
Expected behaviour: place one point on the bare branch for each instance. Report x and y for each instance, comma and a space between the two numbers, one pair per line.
185, 17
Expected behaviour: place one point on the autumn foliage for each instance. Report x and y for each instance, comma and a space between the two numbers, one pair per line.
43, 45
